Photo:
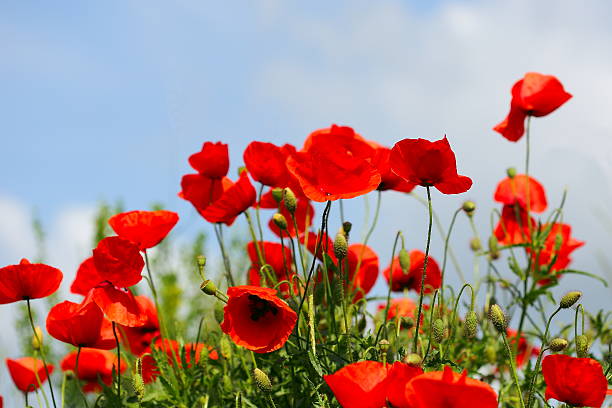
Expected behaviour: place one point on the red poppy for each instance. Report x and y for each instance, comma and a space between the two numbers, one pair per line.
525, 350
145, 228
511, 231
514, 190
533, 95
233, 202
362, 279
397, 377
334, 163
118, 305
266, 163
304, 214
389, 180
425, 163
118, 261
257, 319
568, 244
402, 307
201, 191
578, 382
28, 281
87, 277
138, 339
326, 245
173, 350
212, 161
94, 366
281, 265
25, 371
360, 385
412, 279
82, 325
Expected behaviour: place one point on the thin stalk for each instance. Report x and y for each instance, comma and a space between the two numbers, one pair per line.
450, 229
258, 249
370, 231
42, 351
397, 237
226, 263
421, 293
155, 298
78, 381
118, 361
513, 369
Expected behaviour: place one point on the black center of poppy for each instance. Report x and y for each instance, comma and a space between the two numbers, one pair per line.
259, 307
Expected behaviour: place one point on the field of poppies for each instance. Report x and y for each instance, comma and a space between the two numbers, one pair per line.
287, 317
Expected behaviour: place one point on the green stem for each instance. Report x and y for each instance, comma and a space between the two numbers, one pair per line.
421, 293
450, 229
513, 369
118, 361
77, 379
397, 236
162, 326
42, 351
226, 263
258, 249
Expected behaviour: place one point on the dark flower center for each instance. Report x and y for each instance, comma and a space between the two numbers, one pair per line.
259, 307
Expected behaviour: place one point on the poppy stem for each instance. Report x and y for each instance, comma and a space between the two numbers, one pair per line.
450, 229
513, 369
118, 361
370, 231
42, 352
256, 242
397, 237
77, 379
423, 276
226, 263
155, 299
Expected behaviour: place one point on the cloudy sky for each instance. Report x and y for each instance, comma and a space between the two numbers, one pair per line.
106, 100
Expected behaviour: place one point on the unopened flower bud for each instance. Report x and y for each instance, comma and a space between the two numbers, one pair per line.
290, 200
438, 330
569, 299
412, 359
470, 327
404, 261
262, 380
347, 227
37, 338
277, 195
219, 313
498, 318
511, 172
493, 247
280, 221
582, 346
469, 207
557, 344
475, 244
383, 345
340, 246
209, 287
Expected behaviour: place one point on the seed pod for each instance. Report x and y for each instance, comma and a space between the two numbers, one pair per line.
209, 287
201, 261
290, 200
277, 195
470, 327
413, 360
582, 346
404, 261
511, 172
280, 221
340, 246
383, 345
37, 338
438, 330
469, 207
347, 227
262, 380
475, 244
497, 317
569, 299
557, 344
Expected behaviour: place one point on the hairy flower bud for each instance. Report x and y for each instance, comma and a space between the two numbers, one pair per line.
511, 172
582, 346
569, 299
340, 246
209, 287
139, 386
280, 221
493, 247
262, 380
557, 344
277, 195
37, 338
475, 244
383, 345
404, 261
470, 327
491, 353
469, 207
412, 359
438, 330
290, 200
225, 347
497, 317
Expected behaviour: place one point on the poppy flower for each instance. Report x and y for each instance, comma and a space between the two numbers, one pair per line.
514, 190
257, 319
402, 307
87, 277
578, 382
398, 377
326, 246
412, 279
559, 233
28, 281
145, 228
360, 385
280, 264
82, 325
304, 214
202, 191
118, 261
25, 371
362, 279
266, 163
524, 350
335, 163
118, 304
138, 339
533, 95
389, 180
425, 163
233, 202
94, 366
511, 231
212, 161
173, 351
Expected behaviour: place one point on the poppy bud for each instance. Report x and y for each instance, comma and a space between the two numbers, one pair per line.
201, 260
139, 386
225, 347
497, 317
346, 227
511, 172
407, 322
404, 261
569, 299
582, 346
557, 344
469, 207
290, 200
383, 345
277, 194
412, 359
280, 221
218, 312
262, 380
493, 247
438, 330
470, 327
37, 338
209, 287
340, 246
475, 244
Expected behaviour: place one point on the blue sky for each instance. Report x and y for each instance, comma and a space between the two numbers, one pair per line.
106, 100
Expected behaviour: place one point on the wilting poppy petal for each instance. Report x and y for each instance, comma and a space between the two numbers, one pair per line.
257, 319
82, 325
118, 261
138, 339
510, 229
25, 370
28, 281
94, 365
87, 277
212, 161
233, 202
449, 389
578, 382
425, 163
412, 279
360, 385
514, 190
118, 305
145, 228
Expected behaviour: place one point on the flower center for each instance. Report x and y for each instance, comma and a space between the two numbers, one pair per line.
260, 307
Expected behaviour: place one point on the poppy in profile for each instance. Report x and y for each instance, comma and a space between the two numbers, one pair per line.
533, 95
257, 319
138, 339
87, 277
266, 163
94, 366
173, 351
362, 280
234, 201
512, 229
280, 264
362, 384
514, 190
118, 261
578, 382
212, 161
145, 228
402, 307
28, 281
388, 179
449, 389
202, 191
425, 163
335, 163
25, 370
412, 279
304, 214
82, 325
